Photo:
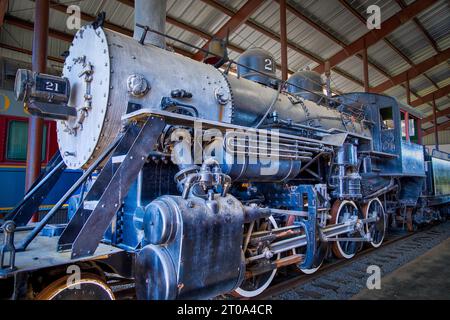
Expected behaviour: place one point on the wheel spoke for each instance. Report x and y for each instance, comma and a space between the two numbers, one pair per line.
342, 212
377, 229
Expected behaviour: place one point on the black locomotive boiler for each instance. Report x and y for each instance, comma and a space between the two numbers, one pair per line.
199, 183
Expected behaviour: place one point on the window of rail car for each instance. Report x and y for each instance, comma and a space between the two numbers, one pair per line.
413, 129
17, 140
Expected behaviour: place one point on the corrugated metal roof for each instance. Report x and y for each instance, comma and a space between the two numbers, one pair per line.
411, 42
384, 56
436, 21
387, 7
440, 74
330, 15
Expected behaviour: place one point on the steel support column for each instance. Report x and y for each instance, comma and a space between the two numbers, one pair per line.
283, 43
3, 10
420, 132
436, 132
365, 62
36, 124
408, 90
442, 113
328, 78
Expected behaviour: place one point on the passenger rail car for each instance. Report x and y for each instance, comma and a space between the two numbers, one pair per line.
13, 149
198, 183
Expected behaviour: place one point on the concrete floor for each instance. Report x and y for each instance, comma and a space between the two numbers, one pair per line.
426, 277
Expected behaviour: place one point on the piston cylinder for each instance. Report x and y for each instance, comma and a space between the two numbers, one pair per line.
191, 251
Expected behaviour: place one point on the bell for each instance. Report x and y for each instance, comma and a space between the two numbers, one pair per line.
217, 53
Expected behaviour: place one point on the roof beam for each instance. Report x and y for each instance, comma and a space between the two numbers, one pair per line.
329, 35
414, 71
373, 65
439, 114
233, 23
374, 36
169, 20
274, 36
86, 17
433, 95
28, 52
30, 26
65, 36
389, 43
441, 127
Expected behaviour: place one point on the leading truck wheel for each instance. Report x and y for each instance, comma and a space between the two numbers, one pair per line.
253, 286
88, 287
341, 212
377, 229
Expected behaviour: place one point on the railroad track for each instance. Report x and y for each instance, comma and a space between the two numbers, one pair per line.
341, 279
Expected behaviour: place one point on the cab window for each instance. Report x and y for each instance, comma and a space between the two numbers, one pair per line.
414, 129
387, 118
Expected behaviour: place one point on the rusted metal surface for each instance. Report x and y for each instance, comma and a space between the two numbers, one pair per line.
36, 124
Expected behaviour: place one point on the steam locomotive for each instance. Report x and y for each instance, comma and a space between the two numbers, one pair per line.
198, 183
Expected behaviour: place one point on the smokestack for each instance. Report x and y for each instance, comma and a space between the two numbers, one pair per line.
150, 13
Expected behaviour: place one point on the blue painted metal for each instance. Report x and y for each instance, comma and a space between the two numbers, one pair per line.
53, 230
441, 176
309, 224
412, 159
14, 179
294, 199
